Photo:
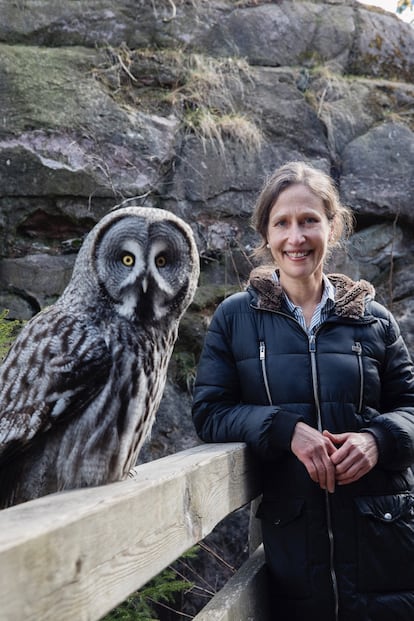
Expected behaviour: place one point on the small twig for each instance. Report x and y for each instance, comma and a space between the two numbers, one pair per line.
322, 99
210, 590
125, 68
216, 556
177, 612
174, 12
132, 198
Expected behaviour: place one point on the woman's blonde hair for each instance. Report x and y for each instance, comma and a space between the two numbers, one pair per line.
321, 184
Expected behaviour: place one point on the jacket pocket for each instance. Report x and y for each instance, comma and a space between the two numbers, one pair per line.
285, 541
385, 530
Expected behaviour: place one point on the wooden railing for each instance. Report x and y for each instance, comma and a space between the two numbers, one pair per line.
77, 554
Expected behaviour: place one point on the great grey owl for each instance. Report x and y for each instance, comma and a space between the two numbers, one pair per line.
81, 385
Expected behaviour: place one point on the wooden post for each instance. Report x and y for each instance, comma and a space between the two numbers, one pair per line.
244, 597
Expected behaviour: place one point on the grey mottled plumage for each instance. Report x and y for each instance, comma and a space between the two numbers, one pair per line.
81, 385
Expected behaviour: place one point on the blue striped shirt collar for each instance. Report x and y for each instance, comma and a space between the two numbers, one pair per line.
322, 310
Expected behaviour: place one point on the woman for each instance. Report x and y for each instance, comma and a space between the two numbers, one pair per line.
313, 375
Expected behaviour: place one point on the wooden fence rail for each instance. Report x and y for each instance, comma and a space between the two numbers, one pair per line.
77, 554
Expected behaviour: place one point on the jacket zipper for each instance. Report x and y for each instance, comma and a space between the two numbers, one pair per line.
312, 351
358, 350
262, 357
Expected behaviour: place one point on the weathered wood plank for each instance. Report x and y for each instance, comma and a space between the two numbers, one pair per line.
244, 597
77, 554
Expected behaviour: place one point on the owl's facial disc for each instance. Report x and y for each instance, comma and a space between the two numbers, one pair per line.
143, 265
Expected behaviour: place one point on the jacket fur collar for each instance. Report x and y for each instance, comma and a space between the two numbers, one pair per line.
350, 296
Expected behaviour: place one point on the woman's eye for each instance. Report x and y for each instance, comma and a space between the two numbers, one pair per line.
161, 261
128, 259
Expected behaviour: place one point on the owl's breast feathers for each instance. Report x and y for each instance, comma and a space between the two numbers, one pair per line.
55, 369
76, 402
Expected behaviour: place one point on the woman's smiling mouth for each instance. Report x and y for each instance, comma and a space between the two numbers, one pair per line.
297, 255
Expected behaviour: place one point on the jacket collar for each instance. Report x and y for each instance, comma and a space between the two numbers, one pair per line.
350, 296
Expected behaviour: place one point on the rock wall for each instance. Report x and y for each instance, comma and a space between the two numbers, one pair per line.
188, 106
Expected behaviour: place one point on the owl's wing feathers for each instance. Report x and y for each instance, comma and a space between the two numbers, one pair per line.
55, 368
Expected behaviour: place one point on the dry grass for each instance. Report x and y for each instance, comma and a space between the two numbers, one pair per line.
205, 93
214, 129
208, 101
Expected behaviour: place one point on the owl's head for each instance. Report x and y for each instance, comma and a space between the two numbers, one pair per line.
142, 261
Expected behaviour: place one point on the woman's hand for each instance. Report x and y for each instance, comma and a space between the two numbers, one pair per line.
355, 455
314, 450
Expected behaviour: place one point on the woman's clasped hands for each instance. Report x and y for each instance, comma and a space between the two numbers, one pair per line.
332, 459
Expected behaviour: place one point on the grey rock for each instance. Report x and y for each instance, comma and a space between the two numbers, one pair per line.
382, 46
377, 173
70, 137
42, 276
290, 33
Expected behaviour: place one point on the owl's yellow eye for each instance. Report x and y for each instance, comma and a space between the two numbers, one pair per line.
128, 259
161, 261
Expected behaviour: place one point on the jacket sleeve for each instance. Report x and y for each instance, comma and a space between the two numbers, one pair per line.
219, 414
394, 427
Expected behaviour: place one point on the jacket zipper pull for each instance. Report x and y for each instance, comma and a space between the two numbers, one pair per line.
262, 356
312, 343
356, 347
262, 350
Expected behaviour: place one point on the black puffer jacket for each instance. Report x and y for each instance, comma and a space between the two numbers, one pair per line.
346, 556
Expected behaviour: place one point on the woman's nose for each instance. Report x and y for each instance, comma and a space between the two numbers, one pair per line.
296, 235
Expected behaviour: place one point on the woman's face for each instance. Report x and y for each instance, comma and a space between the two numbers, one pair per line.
298, 233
